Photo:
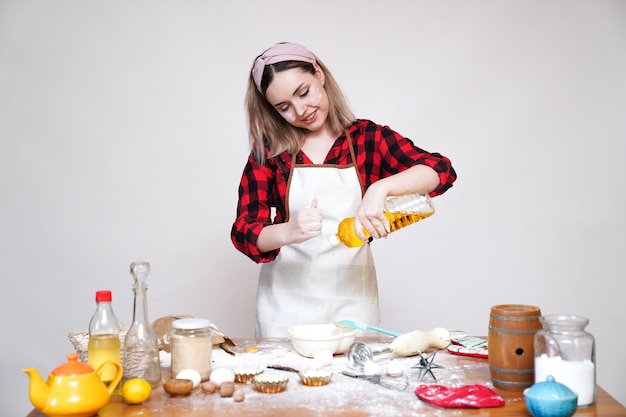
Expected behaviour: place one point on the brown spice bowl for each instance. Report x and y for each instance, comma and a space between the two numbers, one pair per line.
178, 387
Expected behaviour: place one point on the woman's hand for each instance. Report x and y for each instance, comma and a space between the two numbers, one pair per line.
306, 224
369, 214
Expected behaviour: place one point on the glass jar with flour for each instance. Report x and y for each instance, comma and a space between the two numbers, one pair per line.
566, 351
191, 345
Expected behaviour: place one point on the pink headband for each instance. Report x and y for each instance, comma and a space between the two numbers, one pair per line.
279, 53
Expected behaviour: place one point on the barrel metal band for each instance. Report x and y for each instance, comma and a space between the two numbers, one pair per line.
511, 331
502, 383
514, 318
513, 371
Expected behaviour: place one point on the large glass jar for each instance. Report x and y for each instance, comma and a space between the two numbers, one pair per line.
191, 345
566, 351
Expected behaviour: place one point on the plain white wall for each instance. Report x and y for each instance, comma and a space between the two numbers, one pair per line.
123, 137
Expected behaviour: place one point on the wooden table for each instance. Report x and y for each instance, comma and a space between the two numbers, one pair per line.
343, 396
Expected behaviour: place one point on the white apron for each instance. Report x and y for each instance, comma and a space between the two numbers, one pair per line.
317, 282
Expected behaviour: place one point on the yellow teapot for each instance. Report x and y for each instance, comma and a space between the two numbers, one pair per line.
73, 389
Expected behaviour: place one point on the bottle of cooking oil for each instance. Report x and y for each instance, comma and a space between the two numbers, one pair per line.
400, 211
104, 336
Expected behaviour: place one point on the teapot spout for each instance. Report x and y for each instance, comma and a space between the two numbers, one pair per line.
38, 391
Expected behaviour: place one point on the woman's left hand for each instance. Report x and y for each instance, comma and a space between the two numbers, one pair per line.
370, 215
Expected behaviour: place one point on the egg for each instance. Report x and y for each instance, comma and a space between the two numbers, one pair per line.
191, 374
221, 375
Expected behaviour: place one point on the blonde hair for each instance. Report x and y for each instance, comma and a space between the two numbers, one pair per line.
269, 133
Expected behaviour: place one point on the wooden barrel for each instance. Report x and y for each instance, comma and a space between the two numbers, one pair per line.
512, 329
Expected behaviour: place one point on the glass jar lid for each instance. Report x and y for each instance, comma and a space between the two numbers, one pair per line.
191, 324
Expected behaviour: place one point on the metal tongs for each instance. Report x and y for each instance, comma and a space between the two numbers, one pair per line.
396, 383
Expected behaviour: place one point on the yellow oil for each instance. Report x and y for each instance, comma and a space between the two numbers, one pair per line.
103, 348
347, 235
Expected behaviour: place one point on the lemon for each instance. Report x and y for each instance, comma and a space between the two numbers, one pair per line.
136, 390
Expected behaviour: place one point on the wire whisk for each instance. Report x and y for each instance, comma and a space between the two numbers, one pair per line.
396, 383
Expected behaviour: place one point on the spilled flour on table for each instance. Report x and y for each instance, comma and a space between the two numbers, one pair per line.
343, 393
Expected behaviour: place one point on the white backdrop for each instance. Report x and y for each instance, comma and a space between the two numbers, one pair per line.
123, 138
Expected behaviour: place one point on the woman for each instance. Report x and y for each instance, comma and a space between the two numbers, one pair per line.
313, 164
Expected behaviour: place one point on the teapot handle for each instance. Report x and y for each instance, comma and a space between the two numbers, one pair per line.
118, 374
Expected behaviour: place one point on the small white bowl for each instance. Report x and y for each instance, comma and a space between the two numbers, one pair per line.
310, 338
347, 339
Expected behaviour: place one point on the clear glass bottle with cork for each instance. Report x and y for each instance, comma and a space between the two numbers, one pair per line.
104, 336
141, 346
400, 211
191, 345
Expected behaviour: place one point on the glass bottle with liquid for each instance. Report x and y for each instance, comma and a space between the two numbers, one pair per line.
400, 211
141, 346
104, 336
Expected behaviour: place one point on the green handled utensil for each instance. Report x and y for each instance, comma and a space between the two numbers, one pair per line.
360, 326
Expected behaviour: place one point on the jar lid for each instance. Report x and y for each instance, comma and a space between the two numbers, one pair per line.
191, 323
550, 389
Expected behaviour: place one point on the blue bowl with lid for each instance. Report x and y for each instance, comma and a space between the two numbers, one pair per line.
550, 399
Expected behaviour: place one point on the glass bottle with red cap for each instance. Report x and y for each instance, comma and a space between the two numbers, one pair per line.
104, 336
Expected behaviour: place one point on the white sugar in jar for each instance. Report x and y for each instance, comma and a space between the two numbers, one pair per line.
579, 376
564, 350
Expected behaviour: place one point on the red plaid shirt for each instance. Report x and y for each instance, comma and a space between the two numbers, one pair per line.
379, 151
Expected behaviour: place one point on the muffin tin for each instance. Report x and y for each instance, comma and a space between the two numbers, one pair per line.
245, 374
270, 382
315, 377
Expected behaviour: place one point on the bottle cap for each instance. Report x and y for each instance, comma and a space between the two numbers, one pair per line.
103, 296
334, 240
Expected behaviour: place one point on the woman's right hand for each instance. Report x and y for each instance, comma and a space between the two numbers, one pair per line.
306, 224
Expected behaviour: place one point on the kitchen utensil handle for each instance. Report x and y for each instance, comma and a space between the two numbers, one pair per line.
385, 331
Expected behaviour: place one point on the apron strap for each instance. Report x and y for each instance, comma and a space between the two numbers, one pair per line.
358, 175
